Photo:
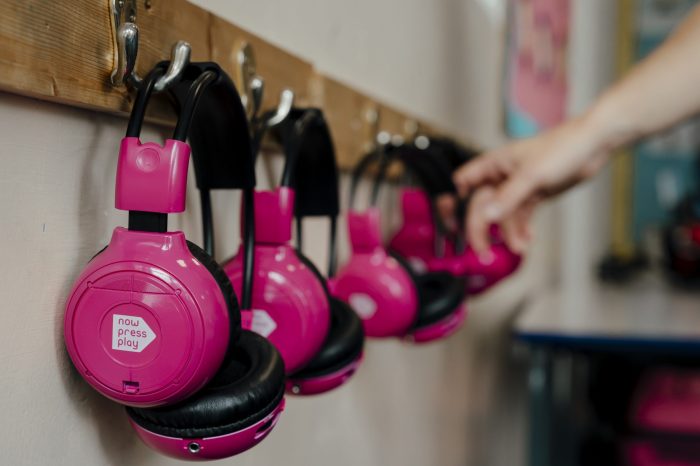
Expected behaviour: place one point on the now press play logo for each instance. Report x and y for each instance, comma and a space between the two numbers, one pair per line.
130, 333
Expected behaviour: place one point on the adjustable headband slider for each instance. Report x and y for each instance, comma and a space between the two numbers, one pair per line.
365, 231
274, 213
150, 177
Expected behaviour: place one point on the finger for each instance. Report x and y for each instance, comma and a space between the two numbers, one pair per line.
510, 196
471, 175
446, 206
477, 225
516, 231
525, 220
512, 234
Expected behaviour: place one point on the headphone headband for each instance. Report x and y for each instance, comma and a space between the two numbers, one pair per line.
152, 179
311, 169
212, 117
219, 133
425, 165
312, 165
430, 171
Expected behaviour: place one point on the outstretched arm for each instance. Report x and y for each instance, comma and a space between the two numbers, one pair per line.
507, 183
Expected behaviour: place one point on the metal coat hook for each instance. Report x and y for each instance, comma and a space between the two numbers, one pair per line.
268, 120
253, 90
412, 130
126, 46
251, 84
284, 106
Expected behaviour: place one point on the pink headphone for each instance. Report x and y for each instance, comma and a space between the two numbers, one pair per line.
421, 240
152, 321
319, 338
383, 289
417, 237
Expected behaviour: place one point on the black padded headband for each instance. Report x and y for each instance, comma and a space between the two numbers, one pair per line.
314, 173
311, 169
221, 151
431, 174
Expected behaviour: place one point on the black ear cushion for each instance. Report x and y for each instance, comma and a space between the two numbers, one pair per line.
225, 285
343, 344
345, 339
439, 293
248, 387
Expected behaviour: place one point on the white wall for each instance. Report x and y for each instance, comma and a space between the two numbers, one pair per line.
585, 210
451, 403
437, 58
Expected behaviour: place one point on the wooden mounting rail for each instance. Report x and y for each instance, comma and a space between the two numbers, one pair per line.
61, 51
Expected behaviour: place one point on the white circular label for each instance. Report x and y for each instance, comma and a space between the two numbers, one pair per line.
363, 305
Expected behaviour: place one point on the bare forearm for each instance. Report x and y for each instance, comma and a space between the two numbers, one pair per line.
659, 92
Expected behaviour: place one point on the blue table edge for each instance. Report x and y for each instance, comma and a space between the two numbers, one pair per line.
612, 343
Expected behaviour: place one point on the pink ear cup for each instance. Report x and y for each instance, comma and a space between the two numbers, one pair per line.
289, 305
325, 383
415, 240
212, 448
481, 274
146, 332
374, 284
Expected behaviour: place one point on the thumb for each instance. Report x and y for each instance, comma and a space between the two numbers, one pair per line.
446, 206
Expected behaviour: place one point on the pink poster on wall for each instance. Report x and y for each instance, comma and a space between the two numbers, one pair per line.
537, 65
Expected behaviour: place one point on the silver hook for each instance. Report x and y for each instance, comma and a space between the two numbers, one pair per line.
253, 90
126, 40
252, 85
413, 132
257, 90
126, 47
179, 59
284, 106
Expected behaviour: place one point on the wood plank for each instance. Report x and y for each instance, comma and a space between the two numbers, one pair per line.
62, 52
393, 121
349, 116
278, 68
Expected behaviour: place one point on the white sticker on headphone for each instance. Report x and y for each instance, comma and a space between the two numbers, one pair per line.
131, 333
418, 265
363, 305
262, 323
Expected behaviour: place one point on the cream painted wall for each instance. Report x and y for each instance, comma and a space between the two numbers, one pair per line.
437, 58
453, 403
